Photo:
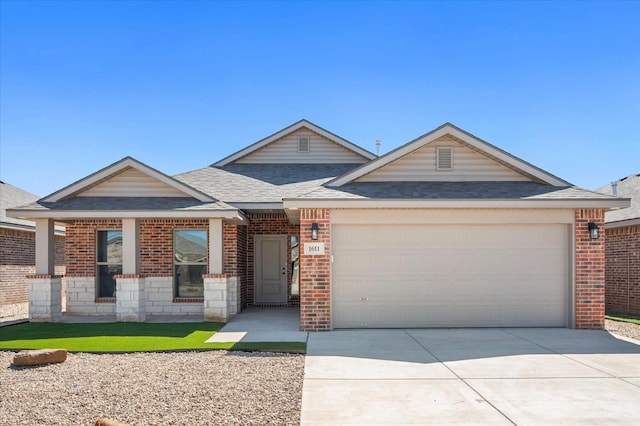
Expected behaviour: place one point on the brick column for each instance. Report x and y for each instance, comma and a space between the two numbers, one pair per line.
130, 298
315, 272
45, 302
590, 270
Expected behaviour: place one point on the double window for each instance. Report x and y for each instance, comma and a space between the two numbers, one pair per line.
109, 261
189, 262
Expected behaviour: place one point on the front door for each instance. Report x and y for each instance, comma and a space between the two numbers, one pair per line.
270, 269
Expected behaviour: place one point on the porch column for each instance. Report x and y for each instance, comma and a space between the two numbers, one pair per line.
130, 295
45, 288
216, 246
130, 246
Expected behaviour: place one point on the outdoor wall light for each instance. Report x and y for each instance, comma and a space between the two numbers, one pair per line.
314, 231
593, 230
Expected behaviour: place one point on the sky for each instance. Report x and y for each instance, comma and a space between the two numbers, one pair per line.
179, 85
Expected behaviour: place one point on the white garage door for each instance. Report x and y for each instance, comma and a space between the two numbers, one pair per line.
450, 276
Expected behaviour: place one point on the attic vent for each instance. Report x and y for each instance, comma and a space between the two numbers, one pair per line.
444, 158
304, 144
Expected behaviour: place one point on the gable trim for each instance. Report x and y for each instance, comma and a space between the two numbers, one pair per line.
115, 168
290, 129
482, 146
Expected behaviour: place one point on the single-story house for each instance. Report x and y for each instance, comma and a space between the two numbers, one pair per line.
18, 252
444, 231
622, 249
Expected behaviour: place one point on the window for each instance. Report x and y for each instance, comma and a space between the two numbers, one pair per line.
444, 158
109, 262
189, 263
304, 144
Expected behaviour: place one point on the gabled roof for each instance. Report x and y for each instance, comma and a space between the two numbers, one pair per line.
290, 129
12, 196
118, 167
534, 173
627, 187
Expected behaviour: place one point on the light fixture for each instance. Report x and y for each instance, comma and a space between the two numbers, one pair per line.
593, 230
314, 231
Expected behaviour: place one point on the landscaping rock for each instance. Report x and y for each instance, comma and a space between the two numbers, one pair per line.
108, 422
39, 357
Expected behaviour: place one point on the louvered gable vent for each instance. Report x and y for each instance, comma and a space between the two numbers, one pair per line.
304, 144
444, 158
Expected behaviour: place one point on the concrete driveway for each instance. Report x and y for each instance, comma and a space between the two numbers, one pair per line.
471, 376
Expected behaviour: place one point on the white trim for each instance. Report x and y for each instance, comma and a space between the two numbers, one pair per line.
287, 130
230, 215
447, 128
118, 166
622, 223
130, 246
454, 203
216, 246
45, 248
257, 206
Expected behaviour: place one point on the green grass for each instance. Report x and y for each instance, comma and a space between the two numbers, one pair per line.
624, 319
127, 337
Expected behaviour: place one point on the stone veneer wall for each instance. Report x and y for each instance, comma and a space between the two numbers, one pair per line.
622, 276
590, 270
315, 273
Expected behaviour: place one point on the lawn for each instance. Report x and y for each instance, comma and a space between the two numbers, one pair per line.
126, 337
624, 319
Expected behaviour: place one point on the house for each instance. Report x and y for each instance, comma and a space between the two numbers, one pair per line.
445, 231
622, 249
17, 253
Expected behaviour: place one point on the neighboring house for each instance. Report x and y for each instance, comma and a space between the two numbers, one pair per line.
17, 253
445, 231
622, 243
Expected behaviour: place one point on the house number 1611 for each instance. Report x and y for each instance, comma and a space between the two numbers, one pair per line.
313, 249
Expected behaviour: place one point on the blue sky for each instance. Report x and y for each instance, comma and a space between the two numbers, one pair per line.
179, 85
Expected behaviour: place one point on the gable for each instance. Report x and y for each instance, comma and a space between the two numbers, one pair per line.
131, 183
286, 150
467, 164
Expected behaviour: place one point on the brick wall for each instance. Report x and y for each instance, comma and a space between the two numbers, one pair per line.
315, 273
622, 276
80, 247
17, 260
235, 257
590, 270
267, 224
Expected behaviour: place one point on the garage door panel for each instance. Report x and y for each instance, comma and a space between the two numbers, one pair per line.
449, 276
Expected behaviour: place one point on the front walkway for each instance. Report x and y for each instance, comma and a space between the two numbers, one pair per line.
263, 325
471, 376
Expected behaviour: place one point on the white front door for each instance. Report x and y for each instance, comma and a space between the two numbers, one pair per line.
270, 271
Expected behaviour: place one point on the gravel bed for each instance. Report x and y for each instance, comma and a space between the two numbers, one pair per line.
622, 328
184, 388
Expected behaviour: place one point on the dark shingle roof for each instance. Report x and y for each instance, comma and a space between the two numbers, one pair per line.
261, 183
127, 203
627, 187
452, 190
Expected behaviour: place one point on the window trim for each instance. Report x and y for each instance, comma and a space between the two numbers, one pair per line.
98, 264
176, 297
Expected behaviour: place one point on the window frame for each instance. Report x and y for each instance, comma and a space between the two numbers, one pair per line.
175, 263
99, 263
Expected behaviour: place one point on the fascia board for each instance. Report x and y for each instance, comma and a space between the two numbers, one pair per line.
115, 168
427, 138
256, 206
459, 203
127, 214
290, 129
622, 223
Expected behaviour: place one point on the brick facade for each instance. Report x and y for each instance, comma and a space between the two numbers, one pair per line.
235, 257
268, 224
590, 270
17, 260
622, 275
315, 273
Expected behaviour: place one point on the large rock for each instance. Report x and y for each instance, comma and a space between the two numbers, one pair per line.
108, 422
39, 357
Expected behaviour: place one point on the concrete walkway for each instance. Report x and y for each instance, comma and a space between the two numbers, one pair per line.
471, 376
263, 325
